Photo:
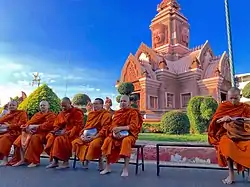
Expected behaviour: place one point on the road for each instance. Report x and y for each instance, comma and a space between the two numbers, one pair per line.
170, 177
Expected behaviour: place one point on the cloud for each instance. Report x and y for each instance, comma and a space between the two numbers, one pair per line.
17, 74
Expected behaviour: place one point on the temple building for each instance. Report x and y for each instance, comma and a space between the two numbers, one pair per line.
169, 73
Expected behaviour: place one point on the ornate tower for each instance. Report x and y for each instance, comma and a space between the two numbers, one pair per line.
170, 30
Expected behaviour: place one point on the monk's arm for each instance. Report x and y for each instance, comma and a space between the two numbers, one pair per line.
48, 124
77, 122
22, 120
106, 122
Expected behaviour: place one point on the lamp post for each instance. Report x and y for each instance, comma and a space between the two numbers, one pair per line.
229, 43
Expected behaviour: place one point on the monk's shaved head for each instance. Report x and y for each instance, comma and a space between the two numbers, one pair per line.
234, 95
124, 101
234, 90
44, 106
13, 104
66, 103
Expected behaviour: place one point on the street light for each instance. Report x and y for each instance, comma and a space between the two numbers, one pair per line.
229, 43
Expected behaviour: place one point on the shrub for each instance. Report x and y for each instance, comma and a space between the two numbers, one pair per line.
134, 105
125, 88
200, 110
31, 103
118, 98
80, 99
151, 128
246, 91
175, 122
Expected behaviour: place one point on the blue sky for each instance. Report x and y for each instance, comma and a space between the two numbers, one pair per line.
87, 42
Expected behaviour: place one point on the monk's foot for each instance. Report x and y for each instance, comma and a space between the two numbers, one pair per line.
85, 165
3, 163
64, 165
228, 180
32, 165
105, 171
52, 165
124, 173
20, 163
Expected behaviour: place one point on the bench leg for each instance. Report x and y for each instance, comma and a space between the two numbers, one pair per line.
142, 158
74, 162
157, 160
137, 161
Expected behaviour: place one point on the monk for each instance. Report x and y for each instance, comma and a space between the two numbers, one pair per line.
108, 104
29, 145
86, 147
231, 136
10, 129
115, 145
66, 128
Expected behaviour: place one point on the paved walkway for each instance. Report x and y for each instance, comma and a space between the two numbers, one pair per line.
40, 177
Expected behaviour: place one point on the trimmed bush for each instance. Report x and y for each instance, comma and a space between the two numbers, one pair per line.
175, 122
80, 99
151, 128
246, 91
134, 105
118, 98
31, 103
125, 88
200, 111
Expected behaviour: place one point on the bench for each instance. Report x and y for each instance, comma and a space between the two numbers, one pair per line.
139, 149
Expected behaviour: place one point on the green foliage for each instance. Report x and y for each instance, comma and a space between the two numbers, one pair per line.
133, 97
134, 105
80, 99
126, 88
118, 98
175, 122
246, 91
151, 128
200, 110
31, 103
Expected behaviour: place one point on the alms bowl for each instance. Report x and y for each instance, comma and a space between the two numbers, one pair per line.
90, 132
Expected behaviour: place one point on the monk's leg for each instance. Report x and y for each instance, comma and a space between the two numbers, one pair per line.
125, 152
230, 178
34, 150
22, 161
6, 141
107, 152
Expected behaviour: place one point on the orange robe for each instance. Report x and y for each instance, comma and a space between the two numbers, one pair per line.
101, 120
15, 119
113, 148
238, 151
59, 146
33, 143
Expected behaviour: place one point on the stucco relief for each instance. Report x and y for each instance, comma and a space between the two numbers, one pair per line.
226, 70
137, 86
159, 35
131, 73
185, 35
143, 101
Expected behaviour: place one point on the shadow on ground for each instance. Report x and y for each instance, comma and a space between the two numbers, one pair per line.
170, 177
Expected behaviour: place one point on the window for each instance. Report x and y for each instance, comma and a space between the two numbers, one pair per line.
153, 102
185, 99
169, 100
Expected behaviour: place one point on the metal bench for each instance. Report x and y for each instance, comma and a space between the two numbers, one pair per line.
139, 151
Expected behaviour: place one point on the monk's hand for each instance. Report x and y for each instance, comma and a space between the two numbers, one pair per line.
116, 130
87, 139
224, 119
6, 124
117, 135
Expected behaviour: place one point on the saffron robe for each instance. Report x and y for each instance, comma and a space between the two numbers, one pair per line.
218, 135
32, 144
16, 119
59, 146
114, 148
101, 120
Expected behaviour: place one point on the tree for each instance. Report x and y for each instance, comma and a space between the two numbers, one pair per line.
246, 91
31, 103
80, 99
125, 88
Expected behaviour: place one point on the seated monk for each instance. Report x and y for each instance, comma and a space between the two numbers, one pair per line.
108, 104
29, 145
88, 146
126, 126
66, 128
10, 129
231, 135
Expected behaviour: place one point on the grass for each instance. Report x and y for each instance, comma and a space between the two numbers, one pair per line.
173, 138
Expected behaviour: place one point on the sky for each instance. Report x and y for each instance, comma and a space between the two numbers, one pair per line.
84, 43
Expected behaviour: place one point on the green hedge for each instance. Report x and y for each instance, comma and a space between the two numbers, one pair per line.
175, 122
151, 128
246, 91
200, 111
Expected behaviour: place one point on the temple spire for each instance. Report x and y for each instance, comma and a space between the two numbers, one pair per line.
168, 4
